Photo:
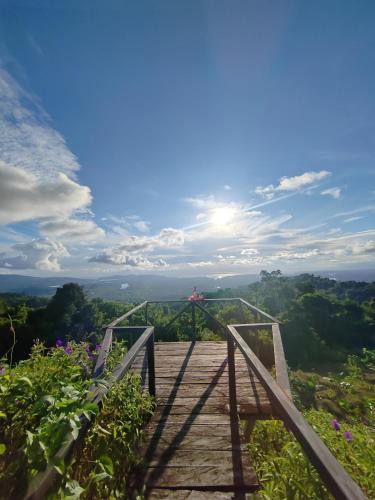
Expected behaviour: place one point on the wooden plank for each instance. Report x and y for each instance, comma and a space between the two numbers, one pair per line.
197, 477
196, 378
197, 458
172, 494
208, 408
191, 442
153, 431
336, 478
198, 391
194, 362
198, 419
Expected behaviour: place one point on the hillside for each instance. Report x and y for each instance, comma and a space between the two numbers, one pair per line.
133, 288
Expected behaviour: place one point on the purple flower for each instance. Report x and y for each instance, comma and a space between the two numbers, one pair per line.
2, 370
348, 436
335, 424
98, 347
59, 343
68, 350
91, 357
88, 349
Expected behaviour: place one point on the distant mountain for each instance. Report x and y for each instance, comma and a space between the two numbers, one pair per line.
348, 275
135, 288
130, 288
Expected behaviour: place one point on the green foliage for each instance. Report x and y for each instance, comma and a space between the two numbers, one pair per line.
102, 465
285, 471
348, 396
41, 399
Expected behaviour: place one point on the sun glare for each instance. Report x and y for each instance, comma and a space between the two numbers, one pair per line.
222, 216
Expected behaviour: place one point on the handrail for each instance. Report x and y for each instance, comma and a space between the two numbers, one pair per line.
103, 353
337, 480
281, 367
126, 315
45, 480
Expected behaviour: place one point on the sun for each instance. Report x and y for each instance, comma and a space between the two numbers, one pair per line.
222, 216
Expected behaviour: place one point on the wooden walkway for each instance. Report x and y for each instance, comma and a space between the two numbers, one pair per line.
194, 446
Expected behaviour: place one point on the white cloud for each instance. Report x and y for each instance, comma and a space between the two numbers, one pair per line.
167, 238
201, 216
367, 247
71, 230
123, 254
355, 211
227, 187
118, 257
202, 263
292, 183
249, 251
27, 139
352, 219
23, 196
41, 254
297, 255
334, 192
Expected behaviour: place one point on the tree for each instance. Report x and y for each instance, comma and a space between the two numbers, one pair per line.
70, 314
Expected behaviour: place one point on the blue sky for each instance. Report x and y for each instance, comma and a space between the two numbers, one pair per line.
186, 138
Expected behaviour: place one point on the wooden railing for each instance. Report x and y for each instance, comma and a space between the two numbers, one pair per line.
45, 481
337, 480
335, 477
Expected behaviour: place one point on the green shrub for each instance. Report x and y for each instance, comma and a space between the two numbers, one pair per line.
101, 466
41, 400
285, 471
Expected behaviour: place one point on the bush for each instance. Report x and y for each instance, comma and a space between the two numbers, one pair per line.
42, 399
285, 471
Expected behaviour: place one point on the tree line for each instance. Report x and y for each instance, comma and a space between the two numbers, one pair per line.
322, 319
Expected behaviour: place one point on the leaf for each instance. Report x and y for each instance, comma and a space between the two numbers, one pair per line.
107, 463
74, 429
59, 465
26, 380
101, 476
2, 448
30, 437
2, 414
100, 428
73, 490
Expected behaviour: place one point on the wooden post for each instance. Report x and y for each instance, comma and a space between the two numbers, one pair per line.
151, 365
232, 377
194, 326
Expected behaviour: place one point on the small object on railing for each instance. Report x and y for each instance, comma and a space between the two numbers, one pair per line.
195, 295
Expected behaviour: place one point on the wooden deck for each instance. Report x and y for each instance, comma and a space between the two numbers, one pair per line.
194, 446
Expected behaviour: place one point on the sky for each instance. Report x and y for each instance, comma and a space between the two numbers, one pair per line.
186, 138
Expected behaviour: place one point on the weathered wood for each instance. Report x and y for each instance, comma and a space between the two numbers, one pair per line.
198, 391
126, 315
103, 354
336, 478
151, 364
201, 477
196, 457
161, 429
193, 442
185, 418
172, 494
282, 377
